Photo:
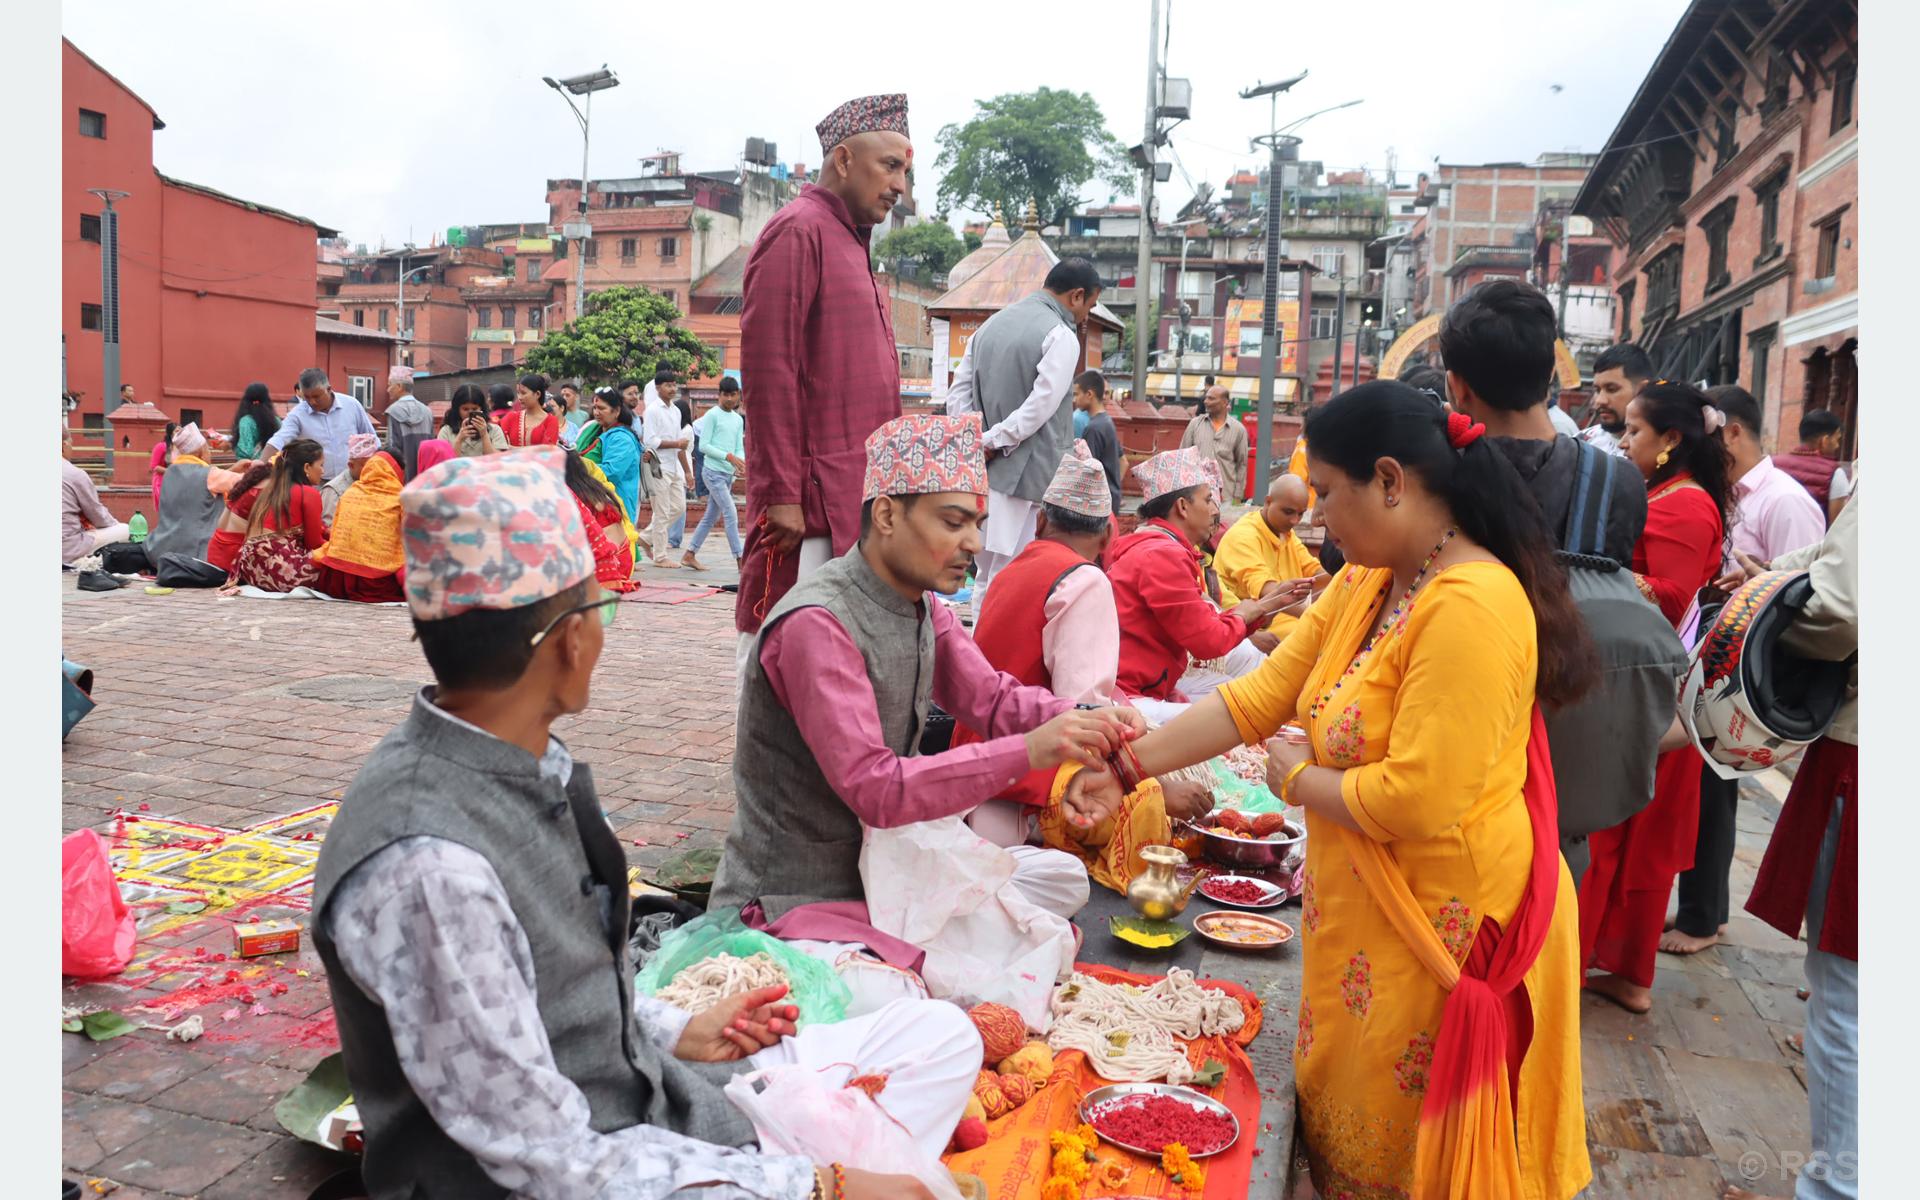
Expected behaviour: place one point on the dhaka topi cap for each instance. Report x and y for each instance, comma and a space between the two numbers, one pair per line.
925, 453
1080, 485
865, 115
492, 531
1178, 470
188, 439
362, 445
400, 375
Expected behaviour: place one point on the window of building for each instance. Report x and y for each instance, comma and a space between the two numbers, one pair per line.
628, 251
486, 356
360, 387
1843, 77
93, 421
588, 250
672, 298
1779, 82
1767, 196
1717, 225
669, 247
1724, 146
1329, 260
535, 316
1250, 339
1826, 259
1321, 326
1663, 283
359, 316
90, 227
90, 317
731, 304
383, 320
410, 314
1626, 312
92, 124
485, 317
507, 316
1759, 347
533, 269
506, 357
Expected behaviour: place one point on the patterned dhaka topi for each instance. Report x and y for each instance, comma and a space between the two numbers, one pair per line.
1178, 470
924, 453
492, 531
865, 115
400, 375
362, 445
1080, 485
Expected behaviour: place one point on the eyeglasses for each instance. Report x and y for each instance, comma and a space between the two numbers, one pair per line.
608, 604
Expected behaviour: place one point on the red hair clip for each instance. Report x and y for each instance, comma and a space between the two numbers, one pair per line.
1462, 430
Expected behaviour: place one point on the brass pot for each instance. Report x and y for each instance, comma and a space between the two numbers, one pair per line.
1156, 893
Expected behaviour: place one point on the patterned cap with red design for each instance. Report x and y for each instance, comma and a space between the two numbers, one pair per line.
492, 531
925, 453
1178, 470
865, 115
1080, 485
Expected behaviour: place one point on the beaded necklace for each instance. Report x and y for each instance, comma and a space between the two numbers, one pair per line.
1397, 616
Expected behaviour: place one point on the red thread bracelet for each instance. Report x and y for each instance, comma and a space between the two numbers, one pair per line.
839, 1182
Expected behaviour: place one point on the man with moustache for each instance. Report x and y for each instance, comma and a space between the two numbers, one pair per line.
1618, 375
817, 348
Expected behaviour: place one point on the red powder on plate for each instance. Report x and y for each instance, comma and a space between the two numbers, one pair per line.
1152, 1122
1234, 891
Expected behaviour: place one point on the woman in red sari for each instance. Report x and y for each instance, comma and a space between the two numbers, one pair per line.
528, 423
605, 525
1673, 436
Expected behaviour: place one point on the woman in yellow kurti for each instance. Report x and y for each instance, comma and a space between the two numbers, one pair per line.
1415, 675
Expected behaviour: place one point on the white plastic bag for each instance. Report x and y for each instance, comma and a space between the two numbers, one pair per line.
946, 889
795, 1111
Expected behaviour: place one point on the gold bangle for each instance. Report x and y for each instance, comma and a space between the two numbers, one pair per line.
1286, 784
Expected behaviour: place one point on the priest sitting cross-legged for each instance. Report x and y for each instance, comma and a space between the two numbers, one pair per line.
1050, 622
471, 907
837, 692
1174, 643
1261, 555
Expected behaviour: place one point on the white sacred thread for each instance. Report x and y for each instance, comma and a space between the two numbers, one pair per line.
1129, 1033
704, 984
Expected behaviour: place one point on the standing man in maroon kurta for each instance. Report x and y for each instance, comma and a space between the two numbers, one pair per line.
817, 355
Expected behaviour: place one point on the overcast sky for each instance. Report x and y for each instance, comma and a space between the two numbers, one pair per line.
398, 119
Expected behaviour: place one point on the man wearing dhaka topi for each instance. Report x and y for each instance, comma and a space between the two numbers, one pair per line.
817, 350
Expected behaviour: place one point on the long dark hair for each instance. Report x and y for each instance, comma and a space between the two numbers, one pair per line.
1388, 419
582, 483
288, 473
256, 402
254, 476
1680, 408
466, 393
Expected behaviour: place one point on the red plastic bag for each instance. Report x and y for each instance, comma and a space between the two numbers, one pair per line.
96, 928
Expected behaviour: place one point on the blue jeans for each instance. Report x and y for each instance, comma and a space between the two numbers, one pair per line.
719, 504
1833, 1048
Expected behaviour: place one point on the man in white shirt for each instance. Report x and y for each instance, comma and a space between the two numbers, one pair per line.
662, 435
1017, 372
1774, 516
1618, 375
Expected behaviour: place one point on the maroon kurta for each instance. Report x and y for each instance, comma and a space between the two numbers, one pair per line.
818, 361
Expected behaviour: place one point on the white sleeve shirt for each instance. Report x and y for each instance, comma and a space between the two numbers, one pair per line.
1059, 355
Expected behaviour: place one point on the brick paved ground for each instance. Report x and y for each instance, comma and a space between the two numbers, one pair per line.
232, 712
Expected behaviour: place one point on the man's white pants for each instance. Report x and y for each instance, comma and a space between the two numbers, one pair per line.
105, 537
668, 497
1201, 681
928, 1050
1051, 879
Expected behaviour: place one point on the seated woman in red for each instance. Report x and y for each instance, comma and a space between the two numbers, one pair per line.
224, 546
606, 526
528, 423
362, 560
284, 525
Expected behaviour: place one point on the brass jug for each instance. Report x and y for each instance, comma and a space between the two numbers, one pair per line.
1156, 894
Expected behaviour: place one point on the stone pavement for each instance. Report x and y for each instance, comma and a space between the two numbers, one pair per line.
222, 722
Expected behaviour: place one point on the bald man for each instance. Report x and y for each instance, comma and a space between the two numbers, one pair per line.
1262, 555
1217, 434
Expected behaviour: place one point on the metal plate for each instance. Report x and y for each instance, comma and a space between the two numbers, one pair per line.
1214, 927
1101, 1098
1275, 894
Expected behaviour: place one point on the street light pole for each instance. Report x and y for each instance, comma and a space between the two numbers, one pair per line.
400, 297
1180, 347
1142, 289
109, 312
582, 85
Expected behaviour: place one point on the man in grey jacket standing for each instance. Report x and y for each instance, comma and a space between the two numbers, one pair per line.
1017, 372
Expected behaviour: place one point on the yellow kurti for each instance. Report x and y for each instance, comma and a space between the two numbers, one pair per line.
1431, 728
1250, 556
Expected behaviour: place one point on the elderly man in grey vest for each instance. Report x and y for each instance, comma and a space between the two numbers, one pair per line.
1017, 372
471, 907
837, 693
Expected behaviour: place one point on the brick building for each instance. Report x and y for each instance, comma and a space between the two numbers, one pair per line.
215, 292
1730, 186
430, 310
355, 359
1479, 223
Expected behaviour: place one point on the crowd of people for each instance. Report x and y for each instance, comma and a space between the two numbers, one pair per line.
1479, 665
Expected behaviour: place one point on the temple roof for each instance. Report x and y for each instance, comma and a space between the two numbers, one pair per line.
1008, 276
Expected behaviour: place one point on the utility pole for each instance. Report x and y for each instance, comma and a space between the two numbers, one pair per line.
1180, 348
109, 312
581, 231
1340, 330
1281, 148
1143, 290
400, 297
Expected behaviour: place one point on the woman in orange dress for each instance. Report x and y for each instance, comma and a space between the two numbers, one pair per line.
528, 423
1673, 436
1438, 1051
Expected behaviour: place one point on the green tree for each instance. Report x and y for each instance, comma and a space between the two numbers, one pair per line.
973, 240
932, 244
1040, 146
625, 332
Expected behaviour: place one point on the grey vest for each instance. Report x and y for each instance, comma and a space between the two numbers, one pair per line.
793, 841
565, 878
187, 516
1006, 360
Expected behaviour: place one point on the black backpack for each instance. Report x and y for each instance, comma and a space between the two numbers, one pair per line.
1604, 746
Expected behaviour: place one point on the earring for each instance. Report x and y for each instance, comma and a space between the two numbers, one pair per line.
1660, 461
1392, 501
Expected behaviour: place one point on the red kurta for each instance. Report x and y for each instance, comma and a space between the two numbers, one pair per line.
544, 432
1623, 896
818, 358
1165, 616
